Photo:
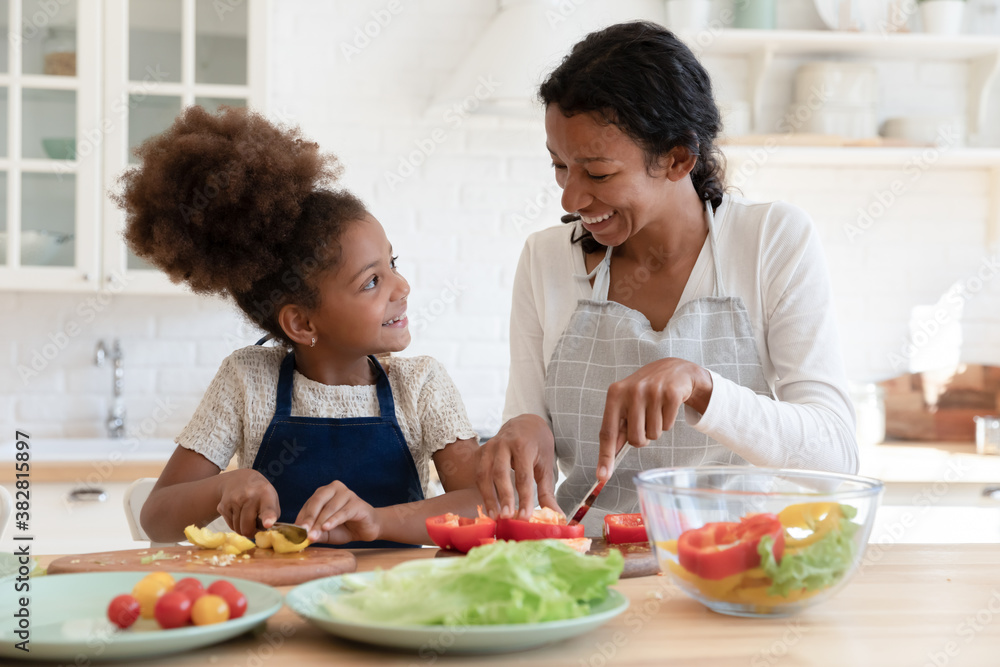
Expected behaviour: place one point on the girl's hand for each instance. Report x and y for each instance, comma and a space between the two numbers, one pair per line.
645, 404
336, 515
524, 443
246, 495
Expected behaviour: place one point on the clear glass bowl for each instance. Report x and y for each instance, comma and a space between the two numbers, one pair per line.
826, 521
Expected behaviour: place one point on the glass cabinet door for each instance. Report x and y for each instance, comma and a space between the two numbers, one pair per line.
49, 181
179, 53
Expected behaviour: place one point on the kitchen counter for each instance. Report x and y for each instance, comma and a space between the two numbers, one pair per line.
909, 605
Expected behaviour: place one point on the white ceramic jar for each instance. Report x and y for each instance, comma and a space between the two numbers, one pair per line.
942, 17
837, 84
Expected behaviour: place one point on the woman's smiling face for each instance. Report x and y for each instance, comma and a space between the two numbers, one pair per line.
604, 177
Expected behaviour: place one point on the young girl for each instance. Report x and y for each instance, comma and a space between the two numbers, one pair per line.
326, 436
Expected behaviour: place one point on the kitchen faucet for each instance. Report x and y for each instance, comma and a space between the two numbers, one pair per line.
116, 415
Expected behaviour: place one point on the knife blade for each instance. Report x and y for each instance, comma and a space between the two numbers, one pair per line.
294, 533
588, 501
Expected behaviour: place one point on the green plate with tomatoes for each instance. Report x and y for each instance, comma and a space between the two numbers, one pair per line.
309, 600
68, 619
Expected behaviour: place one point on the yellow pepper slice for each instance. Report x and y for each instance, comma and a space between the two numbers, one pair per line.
272, 539
204, 538
820, 518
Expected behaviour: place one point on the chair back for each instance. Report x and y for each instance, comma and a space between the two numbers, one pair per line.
135, 497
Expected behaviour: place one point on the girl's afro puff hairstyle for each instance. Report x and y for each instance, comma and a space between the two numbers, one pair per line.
231, 204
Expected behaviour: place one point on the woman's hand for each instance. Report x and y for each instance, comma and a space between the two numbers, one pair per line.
525, 444
645, 404
246, 495
336, 515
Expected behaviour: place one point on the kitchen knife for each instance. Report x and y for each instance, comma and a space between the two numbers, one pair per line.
294, 533
591, 496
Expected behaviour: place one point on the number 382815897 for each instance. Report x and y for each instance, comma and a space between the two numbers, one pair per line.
22, 471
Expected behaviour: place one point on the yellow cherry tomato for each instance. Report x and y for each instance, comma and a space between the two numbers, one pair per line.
165, 577
149, 590
209, 609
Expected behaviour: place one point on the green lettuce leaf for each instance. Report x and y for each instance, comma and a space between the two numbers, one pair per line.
505, 582
819, 565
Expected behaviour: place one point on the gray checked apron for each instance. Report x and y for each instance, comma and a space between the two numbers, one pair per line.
605, 342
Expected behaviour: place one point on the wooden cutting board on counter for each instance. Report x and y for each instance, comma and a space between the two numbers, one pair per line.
940, 405
640, 561
264, 565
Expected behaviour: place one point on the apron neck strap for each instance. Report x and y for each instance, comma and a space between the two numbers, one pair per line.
720, 289
602, 272
386, 406
602, 277
283, 404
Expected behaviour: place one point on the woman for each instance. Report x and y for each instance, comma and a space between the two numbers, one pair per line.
662, 291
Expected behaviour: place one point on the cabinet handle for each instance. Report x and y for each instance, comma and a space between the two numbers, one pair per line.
87, 495
991, 492
86, 277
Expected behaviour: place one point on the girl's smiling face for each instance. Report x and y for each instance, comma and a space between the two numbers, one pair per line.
604, 177
362, 303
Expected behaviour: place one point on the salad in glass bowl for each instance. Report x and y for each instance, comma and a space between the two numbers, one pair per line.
756, 542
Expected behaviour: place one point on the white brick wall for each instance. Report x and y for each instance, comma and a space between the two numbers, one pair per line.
459, 220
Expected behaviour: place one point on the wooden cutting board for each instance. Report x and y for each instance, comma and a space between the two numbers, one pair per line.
640, 561
940, 405
263, 565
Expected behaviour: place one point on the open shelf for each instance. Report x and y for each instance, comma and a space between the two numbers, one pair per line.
868, 156
981, 53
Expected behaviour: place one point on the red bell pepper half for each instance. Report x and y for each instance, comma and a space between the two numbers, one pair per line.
544, 524
624, 529
451, 531
719, 550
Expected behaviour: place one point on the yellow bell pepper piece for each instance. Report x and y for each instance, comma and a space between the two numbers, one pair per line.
204, 538
238, 542
271, 539
820, 518
230, 543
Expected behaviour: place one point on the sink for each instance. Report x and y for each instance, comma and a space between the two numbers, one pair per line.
113, 450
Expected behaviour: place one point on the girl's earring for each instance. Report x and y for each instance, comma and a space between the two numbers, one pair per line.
313, 343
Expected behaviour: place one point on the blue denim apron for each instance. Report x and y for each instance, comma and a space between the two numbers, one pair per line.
368, 454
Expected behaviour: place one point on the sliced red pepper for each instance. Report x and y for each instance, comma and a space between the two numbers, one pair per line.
719, 550
624, 529
517, 530
451, 531
544, 524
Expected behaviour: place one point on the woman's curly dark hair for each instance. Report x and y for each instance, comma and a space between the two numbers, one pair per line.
641, 78
231, 204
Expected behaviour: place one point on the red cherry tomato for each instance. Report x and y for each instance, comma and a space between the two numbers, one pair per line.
220, 586
190, 587
236, 601
123, 611
173, 610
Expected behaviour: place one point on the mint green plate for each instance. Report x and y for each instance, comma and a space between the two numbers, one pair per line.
69, 623
309, 600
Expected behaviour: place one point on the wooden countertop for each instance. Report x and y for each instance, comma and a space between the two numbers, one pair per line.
910, 605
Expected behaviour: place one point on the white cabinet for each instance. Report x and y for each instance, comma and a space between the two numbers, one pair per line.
62, 523
82, 82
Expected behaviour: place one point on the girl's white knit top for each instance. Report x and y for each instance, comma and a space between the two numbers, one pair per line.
238, 406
